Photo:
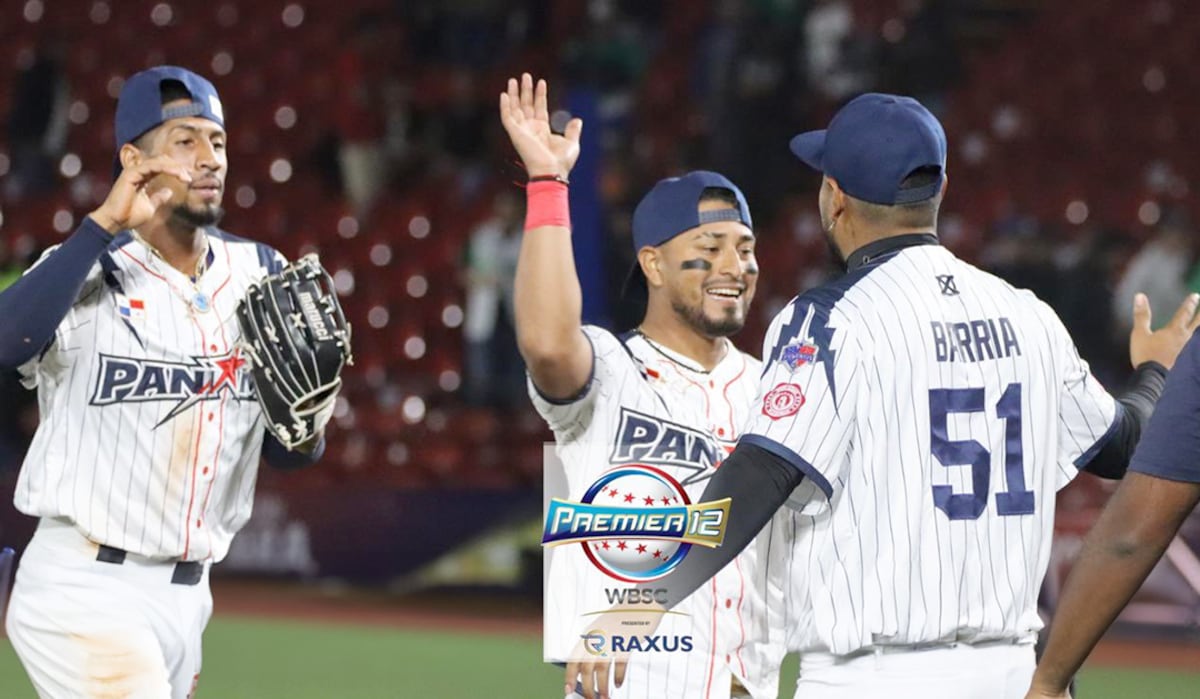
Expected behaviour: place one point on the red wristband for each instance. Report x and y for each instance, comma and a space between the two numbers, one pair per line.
546, 204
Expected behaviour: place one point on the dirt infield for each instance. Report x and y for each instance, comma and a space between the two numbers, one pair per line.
518, 616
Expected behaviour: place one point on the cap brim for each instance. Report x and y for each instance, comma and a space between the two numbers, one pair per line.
810, 147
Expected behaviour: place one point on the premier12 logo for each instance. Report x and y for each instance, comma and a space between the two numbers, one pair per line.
635, 523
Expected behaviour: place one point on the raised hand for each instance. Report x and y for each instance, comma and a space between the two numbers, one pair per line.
527, 121
138, 193
1165, 344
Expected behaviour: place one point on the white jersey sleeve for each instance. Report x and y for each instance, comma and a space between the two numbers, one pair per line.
807, 395
1088, 414
612, 366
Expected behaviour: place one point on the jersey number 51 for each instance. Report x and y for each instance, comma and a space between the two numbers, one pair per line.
962, 452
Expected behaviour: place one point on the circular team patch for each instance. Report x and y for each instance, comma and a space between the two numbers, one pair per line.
782, 401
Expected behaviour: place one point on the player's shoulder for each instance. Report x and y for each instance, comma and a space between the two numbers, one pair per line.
822, 300
607, 345
250, 250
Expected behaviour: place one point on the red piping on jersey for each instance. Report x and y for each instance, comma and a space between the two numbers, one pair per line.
712, 641
220, 437
741, 625
728, 404
187, 525
141, 264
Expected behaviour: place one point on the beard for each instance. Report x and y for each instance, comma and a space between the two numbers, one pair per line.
205, 216
694, 316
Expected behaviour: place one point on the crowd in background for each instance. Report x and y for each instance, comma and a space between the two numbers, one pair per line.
681, 85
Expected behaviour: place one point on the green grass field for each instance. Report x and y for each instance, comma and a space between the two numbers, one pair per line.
261, 659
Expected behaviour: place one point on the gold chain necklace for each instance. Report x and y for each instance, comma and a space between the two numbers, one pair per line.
198, 301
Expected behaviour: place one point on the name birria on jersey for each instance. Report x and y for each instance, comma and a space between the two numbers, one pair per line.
974, 340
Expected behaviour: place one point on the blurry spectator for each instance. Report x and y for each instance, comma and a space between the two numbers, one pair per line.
834, 53
37, 124
359, 117
494, 371
462, 130
923, 61
1086, 274
1159, 270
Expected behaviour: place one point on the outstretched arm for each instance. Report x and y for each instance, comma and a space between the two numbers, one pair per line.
1130, 537
1137, 525
547, 297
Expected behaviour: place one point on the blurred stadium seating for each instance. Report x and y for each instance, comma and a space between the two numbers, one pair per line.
1052, 122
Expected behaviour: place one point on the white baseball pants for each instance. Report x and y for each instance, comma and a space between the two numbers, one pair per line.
995, 670
83, 627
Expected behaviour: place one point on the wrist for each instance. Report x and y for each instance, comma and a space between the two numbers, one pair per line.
104, 221
546, 204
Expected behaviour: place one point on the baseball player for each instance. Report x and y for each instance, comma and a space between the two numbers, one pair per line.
1136, 527
143, 465
922, 413
675, 380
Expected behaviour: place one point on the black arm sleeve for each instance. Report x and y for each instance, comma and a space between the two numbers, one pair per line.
757, 483
1136, 406
278, 456
35, 305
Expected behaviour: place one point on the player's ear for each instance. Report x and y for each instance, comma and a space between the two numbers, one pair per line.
130, 155
650, 260
837, 198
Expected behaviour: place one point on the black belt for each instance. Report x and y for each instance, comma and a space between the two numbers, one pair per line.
186, 572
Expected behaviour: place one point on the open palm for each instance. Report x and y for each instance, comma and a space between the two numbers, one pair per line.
526, 119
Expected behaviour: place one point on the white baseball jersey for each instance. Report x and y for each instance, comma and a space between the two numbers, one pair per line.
935, 411
645, 404
150, 435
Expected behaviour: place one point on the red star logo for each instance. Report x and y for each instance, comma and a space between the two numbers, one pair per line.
648, 500
606, 546
658, 554
628, 497
621, 545
229, 368
666, 500
613, 493
641, 548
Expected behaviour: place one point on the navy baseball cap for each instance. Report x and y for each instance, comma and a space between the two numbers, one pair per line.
873, 143
140, 106
672, 207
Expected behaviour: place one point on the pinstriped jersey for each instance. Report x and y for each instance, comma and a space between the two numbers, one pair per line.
935, 411
150, 434
647, 404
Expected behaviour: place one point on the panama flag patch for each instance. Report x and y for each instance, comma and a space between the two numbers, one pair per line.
131, 309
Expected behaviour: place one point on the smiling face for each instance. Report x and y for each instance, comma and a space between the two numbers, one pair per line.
708, 273
199, 145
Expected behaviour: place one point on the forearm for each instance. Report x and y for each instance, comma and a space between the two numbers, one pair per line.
36, 304
1137, 405
757, 484
280, 457
547, 296
1131, 535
